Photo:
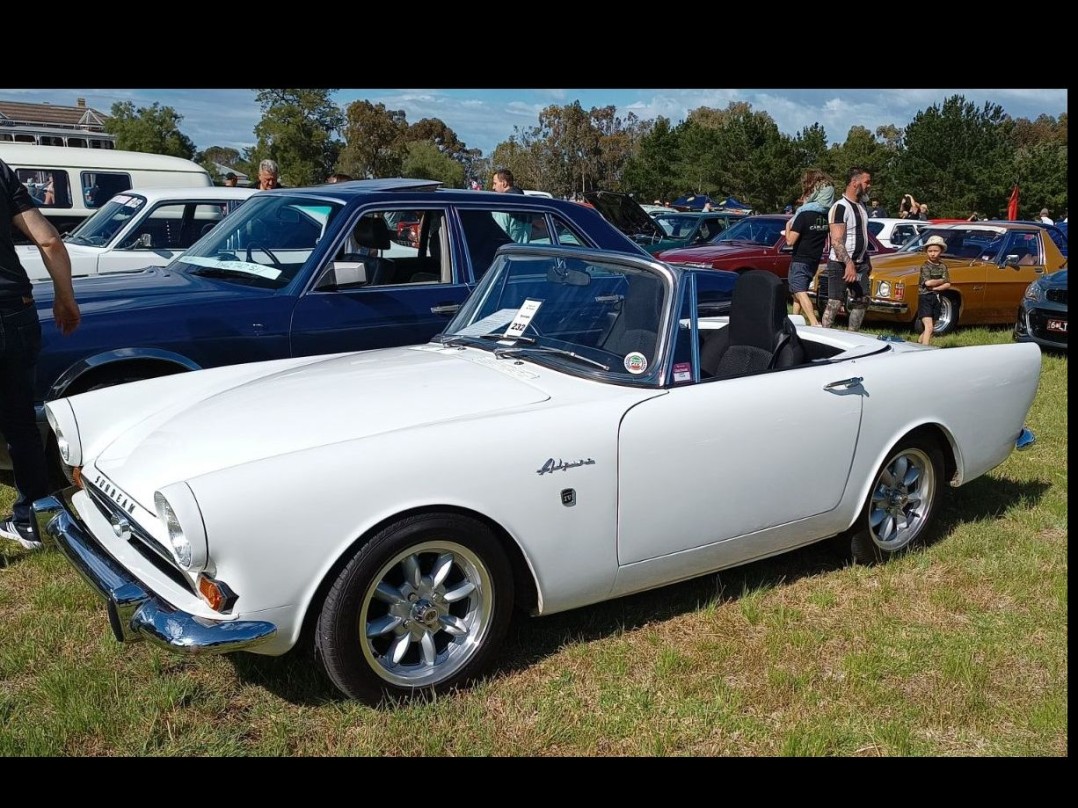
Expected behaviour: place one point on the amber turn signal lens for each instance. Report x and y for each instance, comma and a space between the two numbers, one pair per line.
76, 476
215, 594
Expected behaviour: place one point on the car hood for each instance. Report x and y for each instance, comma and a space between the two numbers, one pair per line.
83, 260
622, 211
152, 286
235, 418
908, 264
1056, 280
712, 252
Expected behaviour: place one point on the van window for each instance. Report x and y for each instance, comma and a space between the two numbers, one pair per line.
98, 187
48, 189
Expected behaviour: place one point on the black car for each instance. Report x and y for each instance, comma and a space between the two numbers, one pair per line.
1042, 314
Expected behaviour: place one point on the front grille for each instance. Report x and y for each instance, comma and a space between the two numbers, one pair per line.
1057, 295
1038, 326
140, 541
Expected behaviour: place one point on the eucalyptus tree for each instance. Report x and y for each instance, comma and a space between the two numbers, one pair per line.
298, 129
374, 139
423, 159
153, 129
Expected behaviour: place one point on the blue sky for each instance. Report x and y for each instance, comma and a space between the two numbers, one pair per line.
483, 118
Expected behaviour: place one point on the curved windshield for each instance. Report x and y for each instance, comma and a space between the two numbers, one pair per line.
584, 315
974, 243
677, 226
754, 230
99, 229
265, 242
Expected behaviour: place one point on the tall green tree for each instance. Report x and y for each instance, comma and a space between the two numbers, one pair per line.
515, 156
153, 129
739, 152
862, 149
298, 130
808, 149
423, 159
958, 159
375, 138
649, 172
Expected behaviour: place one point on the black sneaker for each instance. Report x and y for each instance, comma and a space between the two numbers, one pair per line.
23, 534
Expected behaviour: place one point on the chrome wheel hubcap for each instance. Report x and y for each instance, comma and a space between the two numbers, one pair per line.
426, 614
901, 499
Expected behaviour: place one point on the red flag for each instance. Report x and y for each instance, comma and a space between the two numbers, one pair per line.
1012, 205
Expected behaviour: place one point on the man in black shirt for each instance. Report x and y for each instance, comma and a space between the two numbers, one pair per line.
20, 344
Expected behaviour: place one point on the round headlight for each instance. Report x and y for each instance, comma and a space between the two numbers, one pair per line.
182, 520
181, 547
62, 422
884, 289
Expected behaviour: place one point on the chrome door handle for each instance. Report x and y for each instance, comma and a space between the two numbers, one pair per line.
450, 309
853, 381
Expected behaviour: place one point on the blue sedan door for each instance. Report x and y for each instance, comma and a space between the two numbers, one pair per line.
409, 290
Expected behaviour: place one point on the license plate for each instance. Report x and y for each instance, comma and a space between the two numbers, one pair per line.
1058, 325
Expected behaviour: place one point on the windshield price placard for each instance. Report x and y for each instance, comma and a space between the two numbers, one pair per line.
523, 317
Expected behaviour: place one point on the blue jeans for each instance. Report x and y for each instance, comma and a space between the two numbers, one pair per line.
20, 345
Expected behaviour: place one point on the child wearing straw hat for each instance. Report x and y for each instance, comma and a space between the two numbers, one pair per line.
934, 279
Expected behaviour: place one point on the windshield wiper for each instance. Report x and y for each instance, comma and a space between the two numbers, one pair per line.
461, 339
516, 350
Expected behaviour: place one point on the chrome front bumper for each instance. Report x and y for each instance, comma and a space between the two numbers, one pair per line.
134, 612
887, 306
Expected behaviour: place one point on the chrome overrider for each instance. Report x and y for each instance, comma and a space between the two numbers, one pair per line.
134, 612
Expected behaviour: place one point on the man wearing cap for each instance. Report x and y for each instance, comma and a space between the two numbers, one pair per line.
1045, 218
934, 279
231, 179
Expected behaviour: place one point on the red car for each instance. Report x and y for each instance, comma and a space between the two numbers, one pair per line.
755, 242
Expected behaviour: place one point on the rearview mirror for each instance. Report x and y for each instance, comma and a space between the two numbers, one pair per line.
572, 277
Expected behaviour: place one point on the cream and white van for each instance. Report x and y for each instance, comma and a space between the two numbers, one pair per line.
69, 184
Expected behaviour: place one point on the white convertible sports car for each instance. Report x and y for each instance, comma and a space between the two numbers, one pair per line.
589, 425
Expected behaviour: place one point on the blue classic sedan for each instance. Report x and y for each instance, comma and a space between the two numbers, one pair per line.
298, 272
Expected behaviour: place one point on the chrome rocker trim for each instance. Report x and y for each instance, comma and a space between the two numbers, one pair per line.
135, 613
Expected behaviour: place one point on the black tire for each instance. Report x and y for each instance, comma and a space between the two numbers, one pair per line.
948, 319
420, 608
901, 505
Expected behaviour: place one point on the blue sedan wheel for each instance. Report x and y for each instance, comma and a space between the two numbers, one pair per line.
901, 504
420, 607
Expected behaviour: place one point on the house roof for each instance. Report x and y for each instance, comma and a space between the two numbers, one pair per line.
77, 117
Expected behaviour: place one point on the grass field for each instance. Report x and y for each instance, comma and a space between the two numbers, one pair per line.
958, 649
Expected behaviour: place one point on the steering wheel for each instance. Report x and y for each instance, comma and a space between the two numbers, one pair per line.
256, 246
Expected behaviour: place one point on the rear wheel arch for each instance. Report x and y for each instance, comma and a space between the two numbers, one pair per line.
928, 447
